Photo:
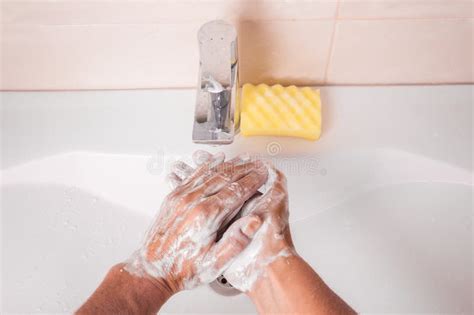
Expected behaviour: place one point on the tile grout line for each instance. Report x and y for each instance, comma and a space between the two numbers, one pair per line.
331, 44
337, 18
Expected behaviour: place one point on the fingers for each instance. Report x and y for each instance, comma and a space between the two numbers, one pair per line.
241, 158
173, 180
237, 237
205, 170
218, 182
229, 199
277, 186
242, 189
280, 180
181, 170
226, 186
226, 174
201, 157
251, 204
215, 174
274, 197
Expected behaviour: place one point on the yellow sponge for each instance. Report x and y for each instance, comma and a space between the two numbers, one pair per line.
280, 111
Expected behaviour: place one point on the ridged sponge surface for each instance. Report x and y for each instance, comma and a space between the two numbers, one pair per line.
280, 111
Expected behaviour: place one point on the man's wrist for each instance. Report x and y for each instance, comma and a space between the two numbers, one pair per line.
154, 288
139, 266
122, 291
273, 270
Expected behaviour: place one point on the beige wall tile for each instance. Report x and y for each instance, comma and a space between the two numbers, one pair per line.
156, 55
287, 52
101, 44
369, 9
99, 56
65, 12
402, 51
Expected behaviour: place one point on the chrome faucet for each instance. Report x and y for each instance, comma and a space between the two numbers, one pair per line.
216, 100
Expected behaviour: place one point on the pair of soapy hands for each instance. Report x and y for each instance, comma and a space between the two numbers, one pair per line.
243, 198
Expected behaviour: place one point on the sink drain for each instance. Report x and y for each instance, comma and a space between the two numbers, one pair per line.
223, 281
223, 287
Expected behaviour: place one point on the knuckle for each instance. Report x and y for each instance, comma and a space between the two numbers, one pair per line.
199, 212
280, 176
237, 189
199, 208
213, 207
187, 198
208, 206
239, 243
279, 196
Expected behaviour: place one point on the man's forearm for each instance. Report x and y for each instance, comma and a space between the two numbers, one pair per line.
290, 286
123, 293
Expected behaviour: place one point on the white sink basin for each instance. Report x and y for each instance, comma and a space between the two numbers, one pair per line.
380, 206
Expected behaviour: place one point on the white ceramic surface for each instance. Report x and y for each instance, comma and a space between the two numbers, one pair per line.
380, 206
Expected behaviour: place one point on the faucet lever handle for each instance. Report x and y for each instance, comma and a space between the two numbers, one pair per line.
216, 93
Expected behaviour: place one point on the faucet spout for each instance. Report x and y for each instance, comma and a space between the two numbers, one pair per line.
214, 119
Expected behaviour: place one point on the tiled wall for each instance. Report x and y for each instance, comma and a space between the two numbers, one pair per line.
102, 44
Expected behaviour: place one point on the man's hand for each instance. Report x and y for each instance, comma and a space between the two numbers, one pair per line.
272, 241
181, 247
269, 271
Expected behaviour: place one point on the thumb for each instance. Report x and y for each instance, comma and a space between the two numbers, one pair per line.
235, 240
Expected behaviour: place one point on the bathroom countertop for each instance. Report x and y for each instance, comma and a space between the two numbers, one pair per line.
380, 205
